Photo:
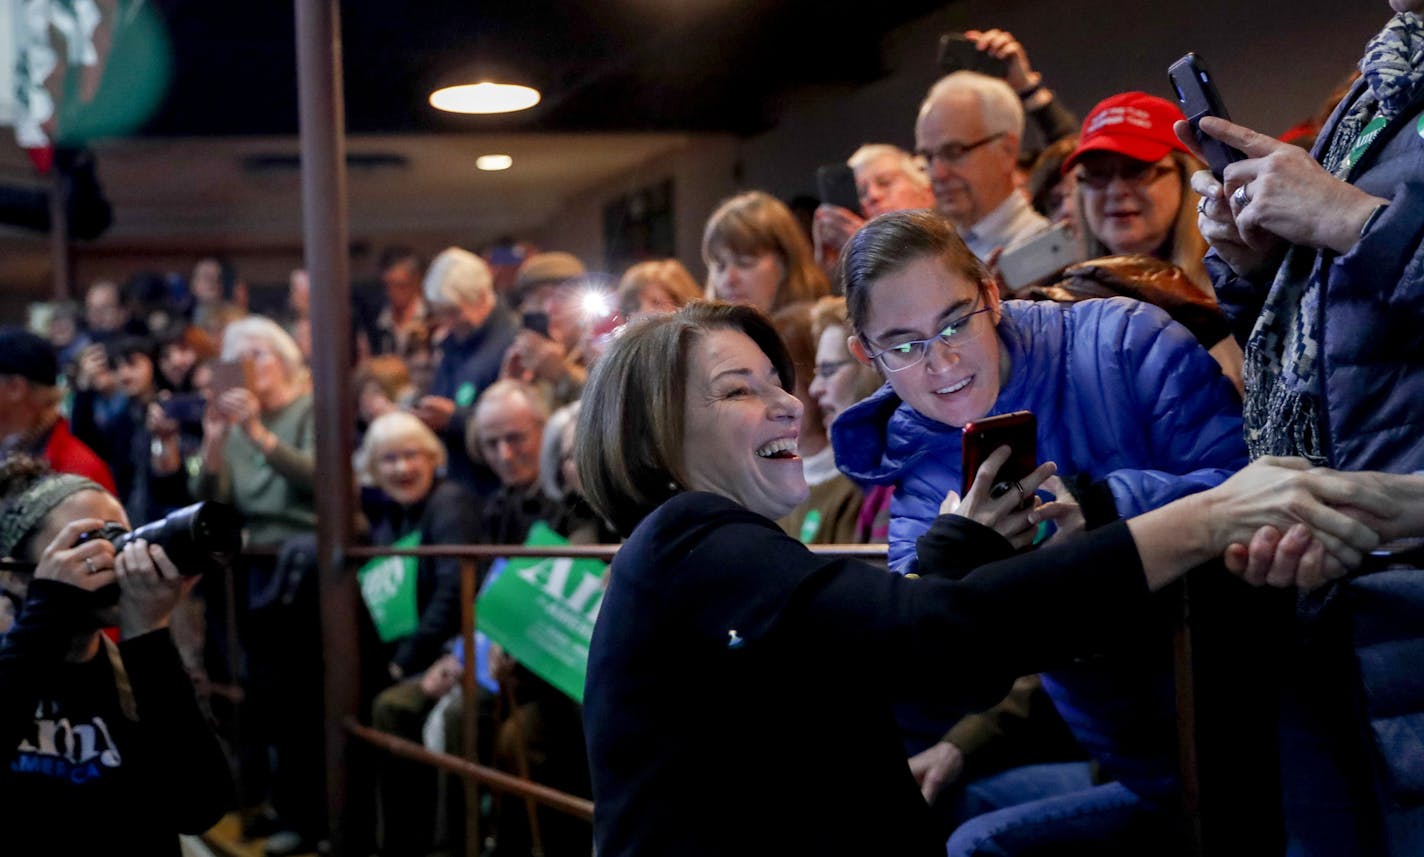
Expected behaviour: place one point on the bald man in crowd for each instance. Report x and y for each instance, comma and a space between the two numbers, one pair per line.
968, 134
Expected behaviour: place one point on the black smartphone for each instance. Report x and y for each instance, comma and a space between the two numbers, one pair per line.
1197, 95
185, 409
1040, 257
836, 183
536, 321
957, 52
1018, 431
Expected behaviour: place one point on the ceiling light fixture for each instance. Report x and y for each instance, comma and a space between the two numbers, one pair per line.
484, 97
493, 163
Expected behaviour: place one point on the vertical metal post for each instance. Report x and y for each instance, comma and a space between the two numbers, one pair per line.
59, 233
470, 705
323, 152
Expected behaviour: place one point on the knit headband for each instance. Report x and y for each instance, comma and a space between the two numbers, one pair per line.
30, 508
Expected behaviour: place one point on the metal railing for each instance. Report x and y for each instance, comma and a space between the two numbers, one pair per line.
465, 765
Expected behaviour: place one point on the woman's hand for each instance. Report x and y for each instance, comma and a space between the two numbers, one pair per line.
1248, 253
1290, 497
1063, 510
1280, 192
1010, 513
1001, 44
239, 406
149, 587
89, 566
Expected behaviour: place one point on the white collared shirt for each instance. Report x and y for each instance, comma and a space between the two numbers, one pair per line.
1013, 221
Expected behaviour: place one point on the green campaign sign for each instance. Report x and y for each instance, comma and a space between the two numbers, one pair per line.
388, 588
542, 612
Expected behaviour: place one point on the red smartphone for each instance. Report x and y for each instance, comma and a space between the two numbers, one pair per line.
1018, 431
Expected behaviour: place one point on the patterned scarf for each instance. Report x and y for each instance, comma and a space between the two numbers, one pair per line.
1281, 369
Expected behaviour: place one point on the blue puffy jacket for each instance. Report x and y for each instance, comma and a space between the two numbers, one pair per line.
1122, 394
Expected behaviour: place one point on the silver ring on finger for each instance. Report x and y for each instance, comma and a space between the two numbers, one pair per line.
89, 564
1241, 197
1021, 492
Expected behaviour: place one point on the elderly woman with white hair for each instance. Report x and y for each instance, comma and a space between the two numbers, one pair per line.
475, 330
259, 439
258, 453
403, 459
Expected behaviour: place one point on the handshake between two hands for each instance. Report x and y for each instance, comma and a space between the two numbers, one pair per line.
1295, 524
1278, 522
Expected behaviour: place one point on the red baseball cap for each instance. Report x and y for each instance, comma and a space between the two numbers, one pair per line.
1134, 124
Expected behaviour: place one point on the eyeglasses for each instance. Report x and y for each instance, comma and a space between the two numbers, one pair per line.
830, 367
1132, 172
898, 358
953, 153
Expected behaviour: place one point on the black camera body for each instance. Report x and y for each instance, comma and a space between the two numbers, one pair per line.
201, 538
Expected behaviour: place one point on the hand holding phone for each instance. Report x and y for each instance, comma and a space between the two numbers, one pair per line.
836, 184
228, 375
1018, 431
1197, 95
958, 52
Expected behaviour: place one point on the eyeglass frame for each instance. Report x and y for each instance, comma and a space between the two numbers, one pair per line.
923, 345
960, 151
1149, 174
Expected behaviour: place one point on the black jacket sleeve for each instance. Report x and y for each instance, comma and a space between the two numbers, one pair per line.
741, 581
1016, 616
53, 616
184, 763
452, 518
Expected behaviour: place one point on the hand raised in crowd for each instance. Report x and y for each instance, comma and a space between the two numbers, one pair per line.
532, 357
1010, 513
934, 768
831, 227
94, 372
89, 566
1288, 496
159, 424
1001, 44
239, 406
1279, 193
441, 677
149, 586
435, 411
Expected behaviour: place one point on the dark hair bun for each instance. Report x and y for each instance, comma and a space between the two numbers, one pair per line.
19, 472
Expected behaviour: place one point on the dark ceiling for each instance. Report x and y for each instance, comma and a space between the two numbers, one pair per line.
685, 65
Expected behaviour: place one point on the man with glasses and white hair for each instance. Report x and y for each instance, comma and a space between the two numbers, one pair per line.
967, 136
887, 178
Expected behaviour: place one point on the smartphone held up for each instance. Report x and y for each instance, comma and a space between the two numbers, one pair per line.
1197, 95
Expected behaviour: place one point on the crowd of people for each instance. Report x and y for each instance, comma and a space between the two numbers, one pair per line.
1206, 378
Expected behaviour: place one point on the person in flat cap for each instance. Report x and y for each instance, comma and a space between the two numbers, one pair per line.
30, 422
548, 352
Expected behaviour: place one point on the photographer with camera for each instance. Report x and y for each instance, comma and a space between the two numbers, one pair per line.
103, 746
